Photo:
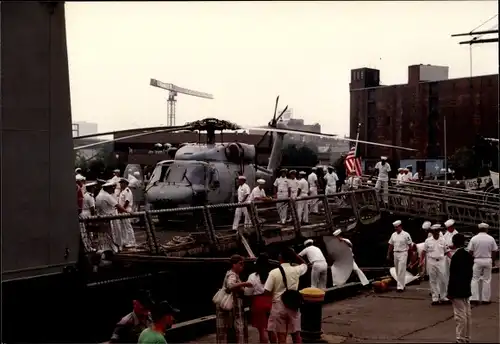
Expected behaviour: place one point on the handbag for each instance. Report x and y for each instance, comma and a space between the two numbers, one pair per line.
223, 298
292, 299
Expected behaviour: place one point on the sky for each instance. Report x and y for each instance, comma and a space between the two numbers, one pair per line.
247, 53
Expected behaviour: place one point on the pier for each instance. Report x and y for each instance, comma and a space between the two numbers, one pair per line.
399, 318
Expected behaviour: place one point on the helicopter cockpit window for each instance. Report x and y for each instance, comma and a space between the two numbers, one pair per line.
214, 177
186, 174
159, 173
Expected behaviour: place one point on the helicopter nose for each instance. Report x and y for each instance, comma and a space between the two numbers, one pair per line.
170, 197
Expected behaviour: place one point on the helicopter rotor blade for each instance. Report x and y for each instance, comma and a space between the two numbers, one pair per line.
281, 114
166, 130
127, 130
275, 109
333, 136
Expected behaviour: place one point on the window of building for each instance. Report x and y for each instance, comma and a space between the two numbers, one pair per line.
361, 75
433, 89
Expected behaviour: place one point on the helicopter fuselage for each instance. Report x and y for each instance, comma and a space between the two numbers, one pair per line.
202, 174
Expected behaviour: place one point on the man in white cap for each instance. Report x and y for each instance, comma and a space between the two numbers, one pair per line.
399, 243
399, 176
116, 180
383, 168
448, 239
312, 179
302, 206
434, 254
361, 276
353, 182
483, 247
107, 204
258, 193
409, 168
282, 191
243, 197
88, 209
126, 200
318, 262
331, 181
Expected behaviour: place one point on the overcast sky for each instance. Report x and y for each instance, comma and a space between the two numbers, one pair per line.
247, 53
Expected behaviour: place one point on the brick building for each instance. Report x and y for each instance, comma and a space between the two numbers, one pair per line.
412, 114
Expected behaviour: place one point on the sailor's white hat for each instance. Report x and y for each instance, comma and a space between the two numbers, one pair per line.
302, 173
79, 178
116, 171
261, 181
308, 241
77, 169
449, 223
313, 169
426, 225
123, 180
242, 178
90, 184
108, 183
400, 169
436, 226
483, 225
409, 166
293, 171
383, 158
396, 223
337, 232
137, 173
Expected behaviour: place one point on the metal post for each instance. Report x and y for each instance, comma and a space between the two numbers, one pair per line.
312, 315
445, 155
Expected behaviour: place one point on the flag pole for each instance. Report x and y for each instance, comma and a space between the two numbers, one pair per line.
357, 138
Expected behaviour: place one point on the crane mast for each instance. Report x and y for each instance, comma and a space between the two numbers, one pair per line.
172, 100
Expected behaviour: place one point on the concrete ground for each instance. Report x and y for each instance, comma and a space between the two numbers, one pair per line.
400, 318
407, 317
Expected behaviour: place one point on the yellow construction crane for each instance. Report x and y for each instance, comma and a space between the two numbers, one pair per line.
172, 94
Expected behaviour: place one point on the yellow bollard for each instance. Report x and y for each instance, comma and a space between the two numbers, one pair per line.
312, 314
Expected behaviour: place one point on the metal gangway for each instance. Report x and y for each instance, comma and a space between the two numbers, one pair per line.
438, 203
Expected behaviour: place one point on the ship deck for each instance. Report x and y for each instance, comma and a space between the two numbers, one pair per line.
398, 318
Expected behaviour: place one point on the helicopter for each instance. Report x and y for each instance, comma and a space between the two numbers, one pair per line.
206, 173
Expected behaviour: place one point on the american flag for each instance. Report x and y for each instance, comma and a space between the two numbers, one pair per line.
353, 162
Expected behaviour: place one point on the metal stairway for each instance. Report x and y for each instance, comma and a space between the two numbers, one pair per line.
438, 205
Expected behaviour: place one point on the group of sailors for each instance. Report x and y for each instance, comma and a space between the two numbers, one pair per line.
290, 185
434, 257
111, 197
405, 175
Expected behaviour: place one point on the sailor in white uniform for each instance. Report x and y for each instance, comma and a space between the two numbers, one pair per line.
361, 276
243, 197
282, 191
293, 184
302, 206
258, 193
331, 179
318, 262
116, 180
383, 168
126, 200
399, 243
312, 179
448, 240
399, 176
107, 204
353, 182
435, 251
88, 210
482, 246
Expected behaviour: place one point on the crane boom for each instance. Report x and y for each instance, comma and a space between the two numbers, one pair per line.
173, 88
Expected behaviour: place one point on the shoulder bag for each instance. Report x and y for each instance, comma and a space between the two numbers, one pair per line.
224, 297
292, 299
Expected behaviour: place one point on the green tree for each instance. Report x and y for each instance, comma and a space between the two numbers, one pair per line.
294, 155
465, 163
